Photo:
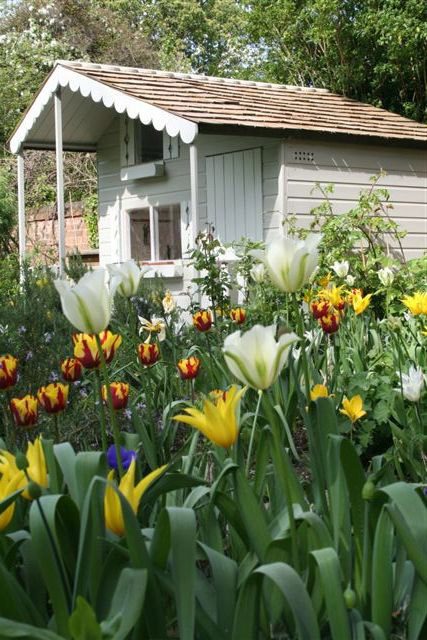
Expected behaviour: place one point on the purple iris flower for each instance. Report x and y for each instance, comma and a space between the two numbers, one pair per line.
127, 455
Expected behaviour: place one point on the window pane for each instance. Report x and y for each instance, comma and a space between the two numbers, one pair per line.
148, 143
169, 218
140, 235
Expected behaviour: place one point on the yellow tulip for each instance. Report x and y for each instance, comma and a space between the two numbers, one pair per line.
353, 408
319, 391
112, 507
9, 485
36, 470
417, 304
218, 420
359, 303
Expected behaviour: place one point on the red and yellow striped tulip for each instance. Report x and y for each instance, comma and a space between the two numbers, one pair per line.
202, 320
148, 353
86, 350
24, 411
330, 323
8, 371
119, 394
110, 343
238, 315
71, 369
54, 397
189, 367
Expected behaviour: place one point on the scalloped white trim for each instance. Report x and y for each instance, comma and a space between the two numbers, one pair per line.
111, 98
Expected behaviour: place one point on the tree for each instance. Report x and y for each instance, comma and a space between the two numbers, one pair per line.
371, 50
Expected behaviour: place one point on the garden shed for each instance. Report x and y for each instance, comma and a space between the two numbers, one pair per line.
177, 151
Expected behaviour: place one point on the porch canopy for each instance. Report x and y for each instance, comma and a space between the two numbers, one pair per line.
78, 100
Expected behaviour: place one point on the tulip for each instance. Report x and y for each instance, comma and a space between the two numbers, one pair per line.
126, 455
319, 308
413, 383
119, 394
168, 303
216, 394
112, 506
331, 322
290, 262
148, 353
334, 297
417, 303
8, 371
218, 420
36, 469
386, 276
53, 398
238, 315
9, 485
258, 273
71, 369
350, 280
255, 357
24, 411
128, 276
353, 408
319, 391
341, 268
189, 367
202, 320
87, 305
156, 325
86, 350
359, 303
110, 342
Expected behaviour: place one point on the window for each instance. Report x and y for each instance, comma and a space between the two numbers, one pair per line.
155, 233
148, 143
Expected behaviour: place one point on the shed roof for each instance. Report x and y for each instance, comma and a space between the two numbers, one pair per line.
180, 103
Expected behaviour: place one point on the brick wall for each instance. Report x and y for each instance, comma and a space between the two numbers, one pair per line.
42, 232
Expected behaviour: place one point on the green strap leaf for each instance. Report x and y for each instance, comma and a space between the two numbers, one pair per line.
12, 629
330, 576
382, 573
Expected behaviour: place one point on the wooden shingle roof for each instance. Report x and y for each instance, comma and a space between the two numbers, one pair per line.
219, 101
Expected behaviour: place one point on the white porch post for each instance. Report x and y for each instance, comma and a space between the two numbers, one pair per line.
282, 184
21, 207
60, 181
194, 188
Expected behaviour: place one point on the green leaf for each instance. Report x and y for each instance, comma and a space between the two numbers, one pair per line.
330, 576
252, 515
66, 458
12, 629
127, 604
82, 623
15, 602
382, 573
417, 611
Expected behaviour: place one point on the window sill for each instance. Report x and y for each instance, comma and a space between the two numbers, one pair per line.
140, 171
165, 269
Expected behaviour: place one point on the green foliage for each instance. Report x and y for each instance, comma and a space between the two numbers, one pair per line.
90, 216
8, 216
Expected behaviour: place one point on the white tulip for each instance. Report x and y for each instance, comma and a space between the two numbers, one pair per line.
386, 276
290, 262
255, 357
258, 273
341, 268
350, 280
130, 275
412, 383
87, 305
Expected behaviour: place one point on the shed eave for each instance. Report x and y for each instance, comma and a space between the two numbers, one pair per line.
98, 92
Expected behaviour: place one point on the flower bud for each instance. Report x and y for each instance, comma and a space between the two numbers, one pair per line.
34, 490
368, 490
350, 598
21, 461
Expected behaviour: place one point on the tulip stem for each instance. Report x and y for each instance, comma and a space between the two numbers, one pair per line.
56, 427
300, 322
116, 432
101, 410
251, 441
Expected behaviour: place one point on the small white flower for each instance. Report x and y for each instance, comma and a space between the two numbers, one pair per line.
126, 277
168, 303
155, 325
386, 276
290, 262
258, 273
350, 280
412, 383
341, 268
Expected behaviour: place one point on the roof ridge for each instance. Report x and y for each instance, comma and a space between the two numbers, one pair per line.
188, 76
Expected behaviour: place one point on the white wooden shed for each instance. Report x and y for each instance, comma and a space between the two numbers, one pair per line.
176, 151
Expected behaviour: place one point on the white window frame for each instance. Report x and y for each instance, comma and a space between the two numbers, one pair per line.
163, 267
153, 169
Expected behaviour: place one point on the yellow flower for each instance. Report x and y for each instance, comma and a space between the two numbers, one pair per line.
112, 507
36, 470
353, 408
218, 420
8, 485
319, 391
417, 304
334, 295
325, 280
359, 303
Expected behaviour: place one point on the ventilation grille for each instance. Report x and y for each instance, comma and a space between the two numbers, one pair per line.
304, 157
